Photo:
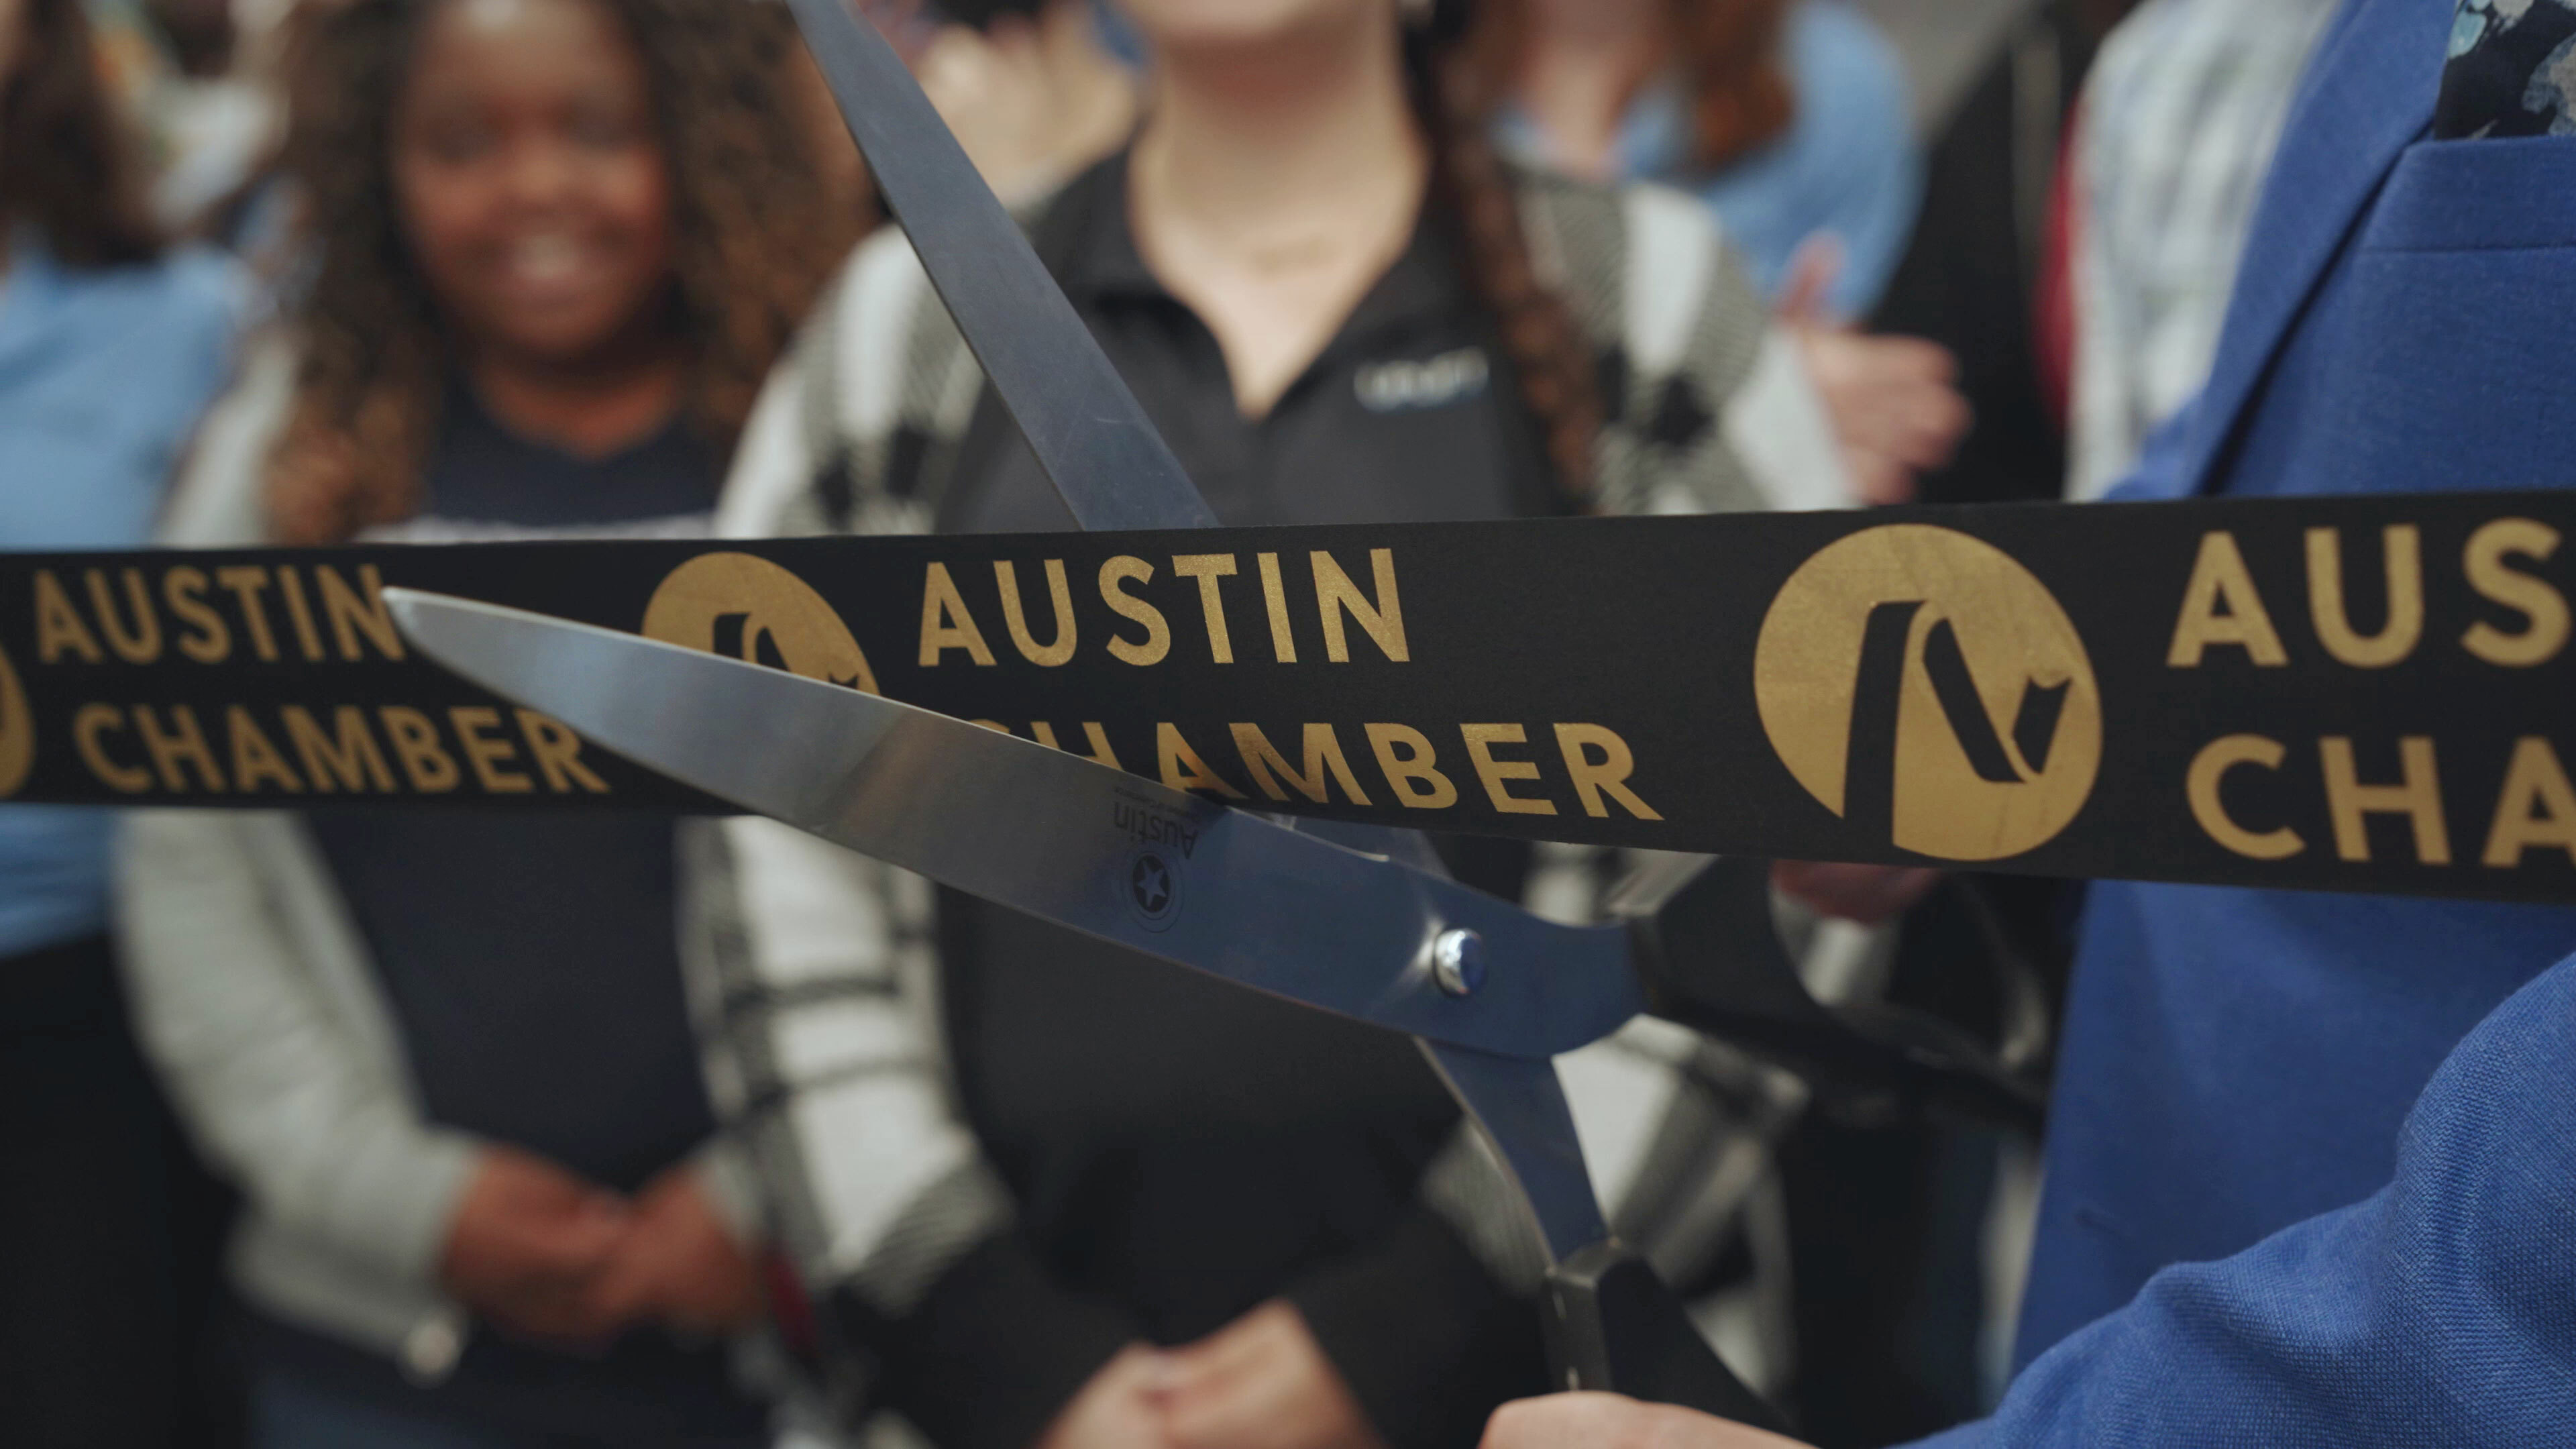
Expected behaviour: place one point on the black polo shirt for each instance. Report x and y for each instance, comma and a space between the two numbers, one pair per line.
1411, 414
1182, 1150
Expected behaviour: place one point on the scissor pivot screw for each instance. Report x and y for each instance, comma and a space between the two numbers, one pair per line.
1458, 962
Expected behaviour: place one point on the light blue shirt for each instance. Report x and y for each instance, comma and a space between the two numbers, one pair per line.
103, 374
1848, 166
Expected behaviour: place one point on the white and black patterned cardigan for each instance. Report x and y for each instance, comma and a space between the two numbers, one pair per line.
815, 974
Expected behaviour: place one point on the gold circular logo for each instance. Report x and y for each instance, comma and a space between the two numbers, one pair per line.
17, 732
748, 608
1923, 686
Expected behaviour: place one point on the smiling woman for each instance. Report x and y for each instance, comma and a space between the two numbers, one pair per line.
601, 212
1083, 1201
529, 167
554, 245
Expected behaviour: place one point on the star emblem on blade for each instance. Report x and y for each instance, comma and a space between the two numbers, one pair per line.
1152, 883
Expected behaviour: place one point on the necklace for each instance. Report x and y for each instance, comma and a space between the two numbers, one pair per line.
1294, 255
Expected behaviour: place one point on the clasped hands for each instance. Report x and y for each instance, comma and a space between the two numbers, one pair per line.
545, 1255
1608, 1421
1261, 1382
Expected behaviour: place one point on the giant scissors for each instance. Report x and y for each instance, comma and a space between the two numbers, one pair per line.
1357, 920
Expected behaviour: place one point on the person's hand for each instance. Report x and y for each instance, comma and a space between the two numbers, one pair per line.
1894, 401
1115, 1410
679, 1264
528, 1245
1868, 894
1261, 1382
1607, 1421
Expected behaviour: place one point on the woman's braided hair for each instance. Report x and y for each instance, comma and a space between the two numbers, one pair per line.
1455, 96
754, 239
1464, 63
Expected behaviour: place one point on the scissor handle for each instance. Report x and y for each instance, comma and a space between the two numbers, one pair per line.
1613, 1326
1701, 938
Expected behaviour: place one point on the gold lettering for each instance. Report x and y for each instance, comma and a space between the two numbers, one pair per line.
2536, 806
254, 758
298, 612
87, 725
416, 744
347, 760
557, 751
245, 583
1158, 634
945, 624
1182, 768
2220, 581
357, 611
209, 639
58, 625
1098, 738
2402, 559
1382, 621
1207, 568
1497, 774
2418, 797
1608, 775
183, 744
142, 644
1274, 597
1323, 752
2209, 776
1417, 785
473, 725
1055, 654
2484, 562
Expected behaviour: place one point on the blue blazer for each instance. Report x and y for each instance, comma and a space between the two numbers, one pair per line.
2274, 1215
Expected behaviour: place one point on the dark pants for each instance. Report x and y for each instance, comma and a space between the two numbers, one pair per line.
290, 1413
109, 1230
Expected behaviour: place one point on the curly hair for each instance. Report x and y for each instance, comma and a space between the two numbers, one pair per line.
755, 234
66, 167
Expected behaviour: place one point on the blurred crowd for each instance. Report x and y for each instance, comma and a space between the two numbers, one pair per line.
365, 1127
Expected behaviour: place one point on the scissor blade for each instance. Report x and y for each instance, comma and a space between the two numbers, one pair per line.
1086, 428
1520, 1107
1049, 833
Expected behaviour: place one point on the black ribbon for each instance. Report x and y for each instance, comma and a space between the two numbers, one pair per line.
2349, 694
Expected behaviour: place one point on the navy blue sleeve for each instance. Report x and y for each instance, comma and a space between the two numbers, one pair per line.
2440, 1311
2160, 474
